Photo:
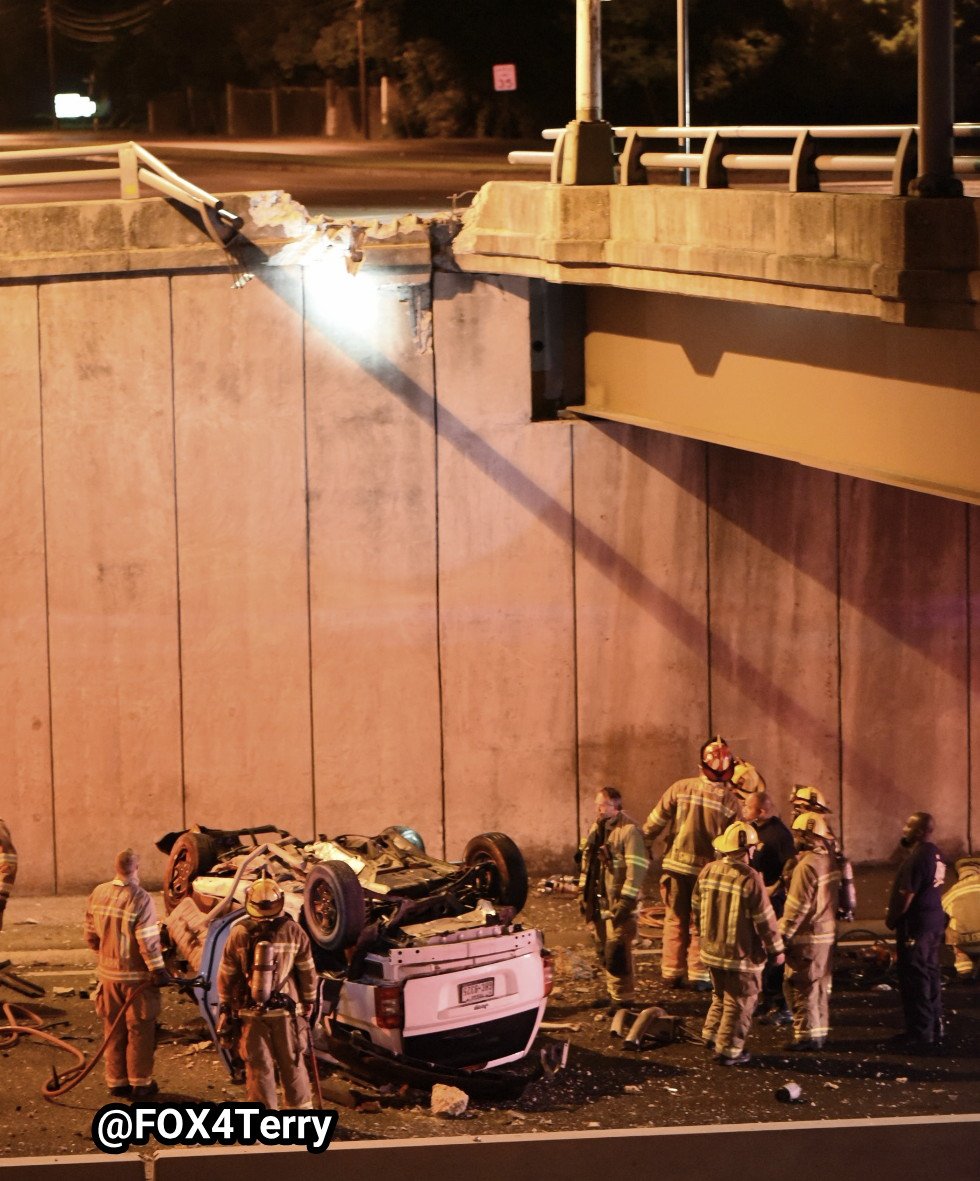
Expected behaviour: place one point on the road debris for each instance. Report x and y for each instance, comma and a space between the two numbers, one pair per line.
448, 1102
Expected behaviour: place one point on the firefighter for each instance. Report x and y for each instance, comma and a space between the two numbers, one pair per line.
961, 903
806, 798
775, 848
8, 868
809, 928
915, 914
738, 930
694, 811
121, 928
614, 864
267, 983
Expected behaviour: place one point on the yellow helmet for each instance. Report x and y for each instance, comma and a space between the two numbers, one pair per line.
809, 799
746, 779
813, 824
737, 836
264, 899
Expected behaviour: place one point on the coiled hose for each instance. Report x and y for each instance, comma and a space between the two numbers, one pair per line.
29, 1026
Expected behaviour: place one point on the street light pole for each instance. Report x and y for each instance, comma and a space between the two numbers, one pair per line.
588, 61
683, 80
587, 148
935, 78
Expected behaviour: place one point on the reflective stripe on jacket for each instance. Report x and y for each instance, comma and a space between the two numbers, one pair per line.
121, 926
696, 810
810, 913
734, 917
622, 872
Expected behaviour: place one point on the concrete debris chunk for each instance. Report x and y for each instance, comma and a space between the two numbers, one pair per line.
448, 1102
63, 990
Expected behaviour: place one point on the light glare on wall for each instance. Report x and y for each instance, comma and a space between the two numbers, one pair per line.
73, 106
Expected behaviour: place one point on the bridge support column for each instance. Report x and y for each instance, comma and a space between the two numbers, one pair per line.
936, 177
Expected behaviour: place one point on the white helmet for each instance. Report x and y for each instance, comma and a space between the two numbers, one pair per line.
737, 836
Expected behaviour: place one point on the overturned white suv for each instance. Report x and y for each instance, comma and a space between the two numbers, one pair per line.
425, 971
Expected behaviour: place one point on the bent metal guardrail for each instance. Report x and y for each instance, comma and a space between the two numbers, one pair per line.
134, 166
804, 165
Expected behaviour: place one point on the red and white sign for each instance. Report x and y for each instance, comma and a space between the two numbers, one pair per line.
505, 77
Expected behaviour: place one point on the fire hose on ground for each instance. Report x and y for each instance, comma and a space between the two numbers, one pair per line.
24, 1022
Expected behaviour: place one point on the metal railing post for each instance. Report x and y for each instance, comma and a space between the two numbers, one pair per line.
935, 78
129, 184
588, 145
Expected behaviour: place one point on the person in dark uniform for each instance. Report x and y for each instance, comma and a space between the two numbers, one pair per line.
916, 916
775, 848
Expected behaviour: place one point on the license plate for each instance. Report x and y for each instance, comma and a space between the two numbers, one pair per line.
476, 990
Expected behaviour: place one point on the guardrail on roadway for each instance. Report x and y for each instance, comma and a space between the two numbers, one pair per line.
134, 166
804, 165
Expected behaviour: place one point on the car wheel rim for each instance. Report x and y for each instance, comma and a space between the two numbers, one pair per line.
324, 907
180, 877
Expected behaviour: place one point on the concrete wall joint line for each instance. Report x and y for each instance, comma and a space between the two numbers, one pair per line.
47, 596
180, 643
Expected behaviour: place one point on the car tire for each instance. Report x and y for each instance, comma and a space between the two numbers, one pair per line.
192, 854
504, 863
333, 906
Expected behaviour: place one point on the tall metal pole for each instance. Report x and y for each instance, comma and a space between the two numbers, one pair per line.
935, 77
683, 80
49, 38
362, 71
586, 152
588, 61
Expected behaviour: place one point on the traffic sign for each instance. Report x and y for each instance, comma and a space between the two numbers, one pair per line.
505, 77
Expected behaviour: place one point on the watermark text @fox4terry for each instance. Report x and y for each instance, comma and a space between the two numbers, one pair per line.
119, 1126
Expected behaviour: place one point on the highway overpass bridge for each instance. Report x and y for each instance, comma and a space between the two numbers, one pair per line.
499, 519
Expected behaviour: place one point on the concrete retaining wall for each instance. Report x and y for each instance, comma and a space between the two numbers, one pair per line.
269, 558
850, 1150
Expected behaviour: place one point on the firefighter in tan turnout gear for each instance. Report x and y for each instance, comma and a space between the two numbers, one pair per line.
614, 864
738, 931
121, 928
693, 812
809, 928
266, 974
8, 868
961, 903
